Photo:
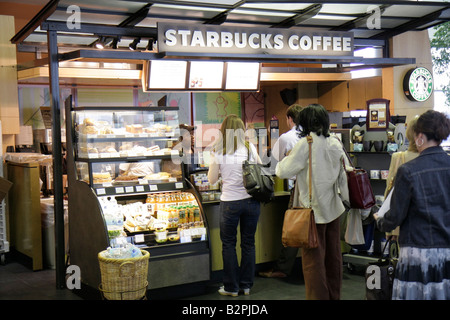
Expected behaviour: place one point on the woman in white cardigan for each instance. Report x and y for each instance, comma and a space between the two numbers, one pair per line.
322, 266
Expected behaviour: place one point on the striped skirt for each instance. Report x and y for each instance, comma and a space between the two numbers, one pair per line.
422, 274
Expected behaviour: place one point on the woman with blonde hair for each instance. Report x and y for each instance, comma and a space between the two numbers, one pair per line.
399, 158
236, 205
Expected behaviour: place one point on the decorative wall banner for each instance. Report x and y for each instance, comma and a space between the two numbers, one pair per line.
237, 40
210, 108
418, 84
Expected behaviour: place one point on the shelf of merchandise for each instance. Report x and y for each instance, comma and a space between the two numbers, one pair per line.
369, 160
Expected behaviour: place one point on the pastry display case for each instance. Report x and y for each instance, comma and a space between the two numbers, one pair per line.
126, 178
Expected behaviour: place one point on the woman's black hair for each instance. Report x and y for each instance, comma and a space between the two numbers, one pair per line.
435, 125
314, 118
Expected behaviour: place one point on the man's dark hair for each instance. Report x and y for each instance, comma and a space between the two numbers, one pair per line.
293, 111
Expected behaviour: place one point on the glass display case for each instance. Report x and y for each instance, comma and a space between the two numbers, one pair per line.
128, 150
127, 132
126, 177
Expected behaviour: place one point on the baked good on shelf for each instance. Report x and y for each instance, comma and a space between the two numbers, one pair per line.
158, 176
111, 150
134, 128
150, 130
153, 148
89, 129
101, 177
164, 175
166, 151
89, 122
126, 178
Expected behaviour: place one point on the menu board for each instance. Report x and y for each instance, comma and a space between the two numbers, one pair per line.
167, 74
200, 75
242, 76
206, 75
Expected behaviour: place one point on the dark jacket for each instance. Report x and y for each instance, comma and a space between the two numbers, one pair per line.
420, 204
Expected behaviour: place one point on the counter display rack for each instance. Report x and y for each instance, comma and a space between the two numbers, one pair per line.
209, 193
118, 160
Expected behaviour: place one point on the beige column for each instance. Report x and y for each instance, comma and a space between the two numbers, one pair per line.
412, 44
9, 99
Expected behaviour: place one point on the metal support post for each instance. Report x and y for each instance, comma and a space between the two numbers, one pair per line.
57, 159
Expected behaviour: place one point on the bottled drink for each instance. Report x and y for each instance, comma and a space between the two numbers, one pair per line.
150, 201
197, 214
182, 216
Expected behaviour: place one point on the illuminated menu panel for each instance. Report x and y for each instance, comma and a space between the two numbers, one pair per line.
167, 74
206, 75
242, 76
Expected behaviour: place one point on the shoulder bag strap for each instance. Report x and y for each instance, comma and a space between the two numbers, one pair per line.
346, 153
348, 157
310, 140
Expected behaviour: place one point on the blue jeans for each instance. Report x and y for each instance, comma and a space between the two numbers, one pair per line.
232, 213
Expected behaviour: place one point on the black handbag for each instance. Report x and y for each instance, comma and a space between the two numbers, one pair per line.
380, 274
258, 181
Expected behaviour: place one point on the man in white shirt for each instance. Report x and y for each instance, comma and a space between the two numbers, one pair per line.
288, 139
284, 144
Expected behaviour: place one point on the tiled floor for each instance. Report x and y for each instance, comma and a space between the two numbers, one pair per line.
18, 282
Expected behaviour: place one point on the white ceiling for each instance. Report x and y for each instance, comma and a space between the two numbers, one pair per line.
351, 15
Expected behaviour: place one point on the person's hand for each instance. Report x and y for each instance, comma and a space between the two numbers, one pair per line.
393, 237
375, 216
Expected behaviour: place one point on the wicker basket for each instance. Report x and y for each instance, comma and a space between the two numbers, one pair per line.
124, 279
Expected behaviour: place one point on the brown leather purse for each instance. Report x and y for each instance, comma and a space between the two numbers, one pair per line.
299, 226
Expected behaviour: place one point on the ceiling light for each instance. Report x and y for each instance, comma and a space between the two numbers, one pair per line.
134, 44
333, 17
100, 43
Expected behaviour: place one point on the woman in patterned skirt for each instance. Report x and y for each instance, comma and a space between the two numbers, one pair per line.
420, 205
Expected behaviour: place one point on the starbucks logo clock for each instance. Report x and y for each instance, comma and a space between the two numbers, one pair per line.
418, 84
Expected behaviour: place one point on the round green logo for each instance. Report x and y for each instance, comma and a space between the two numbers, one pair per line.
418, 84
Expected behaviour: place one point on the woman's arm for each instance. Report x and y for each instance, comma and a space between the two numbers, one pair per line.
213, 172
292, 164
400, 201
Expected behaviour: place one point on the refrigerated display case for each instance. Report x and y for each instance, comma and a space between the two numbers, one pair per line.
126, 177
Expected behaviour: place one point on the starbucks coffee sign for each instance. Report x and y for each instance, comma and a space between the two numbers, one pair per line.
418, 84
212, 39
